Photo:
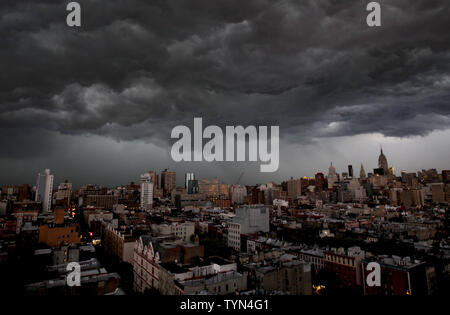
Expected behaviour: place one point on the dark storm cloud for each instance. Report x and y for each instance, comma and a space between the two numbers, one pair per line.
138, 68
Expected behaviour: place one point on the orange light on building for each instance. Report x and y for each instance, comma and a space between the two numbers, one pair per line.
318, 288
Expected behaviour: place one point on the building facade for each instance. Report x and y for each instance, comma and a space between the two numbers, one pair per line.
44, 188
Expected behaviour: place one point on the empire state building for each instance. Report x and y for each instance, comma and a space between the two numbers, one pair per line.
382, 162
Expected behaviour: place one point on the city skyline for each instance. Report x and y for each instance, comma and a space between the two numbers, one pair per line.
181, 175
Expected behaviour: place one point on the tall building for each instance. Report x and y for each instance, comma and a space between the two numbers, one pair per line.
187, 178
350, 171
44, 187
238, 194
294, 188
146, 191
168, 181
320, 181
391, 171
446, 176
63, 194
332, 176
438, 192
155, 179
193, 187
362, 173
382, 163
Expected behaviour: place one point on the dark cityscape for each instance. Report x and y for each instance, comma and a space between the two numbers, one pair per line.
303, 236
224, 155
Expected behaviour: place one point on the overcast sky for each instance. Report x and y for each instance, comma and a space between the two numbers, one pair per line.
96, 104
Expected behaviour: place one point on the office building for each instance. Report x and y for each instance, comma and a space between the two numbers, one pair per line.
44, 187
382, 163
249, 219
147, 191
238, 194
187, 178
332, 176
294, 188
168, 181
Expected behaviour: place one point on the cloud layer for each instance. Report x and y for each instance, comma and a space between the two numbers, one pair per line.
135, 69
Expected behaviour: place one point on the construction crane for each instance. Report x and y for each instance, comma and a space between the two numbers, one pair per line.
239, 179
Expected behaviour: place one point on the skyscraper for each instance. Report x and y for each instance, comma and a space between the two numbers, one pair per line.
44, 188
155, 179
350, 171
294, 188
362, 172
193, 187
62, 196
238, 194
147, 180
332, 176
382, 162
188, 177
168, 181
320, 181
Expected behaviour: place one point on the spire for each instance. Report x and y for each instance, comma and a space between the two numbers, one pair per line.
362, 172
382, 161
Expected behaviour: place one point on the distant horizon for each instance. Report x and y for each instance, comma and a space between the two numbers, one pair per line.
356, 172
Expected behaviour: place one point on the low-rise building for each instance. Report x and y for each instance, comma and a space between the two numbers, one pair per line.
398, 276
314, 257
291, 277
119, 244
230, 282
150, 252
183, 230
346, 264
